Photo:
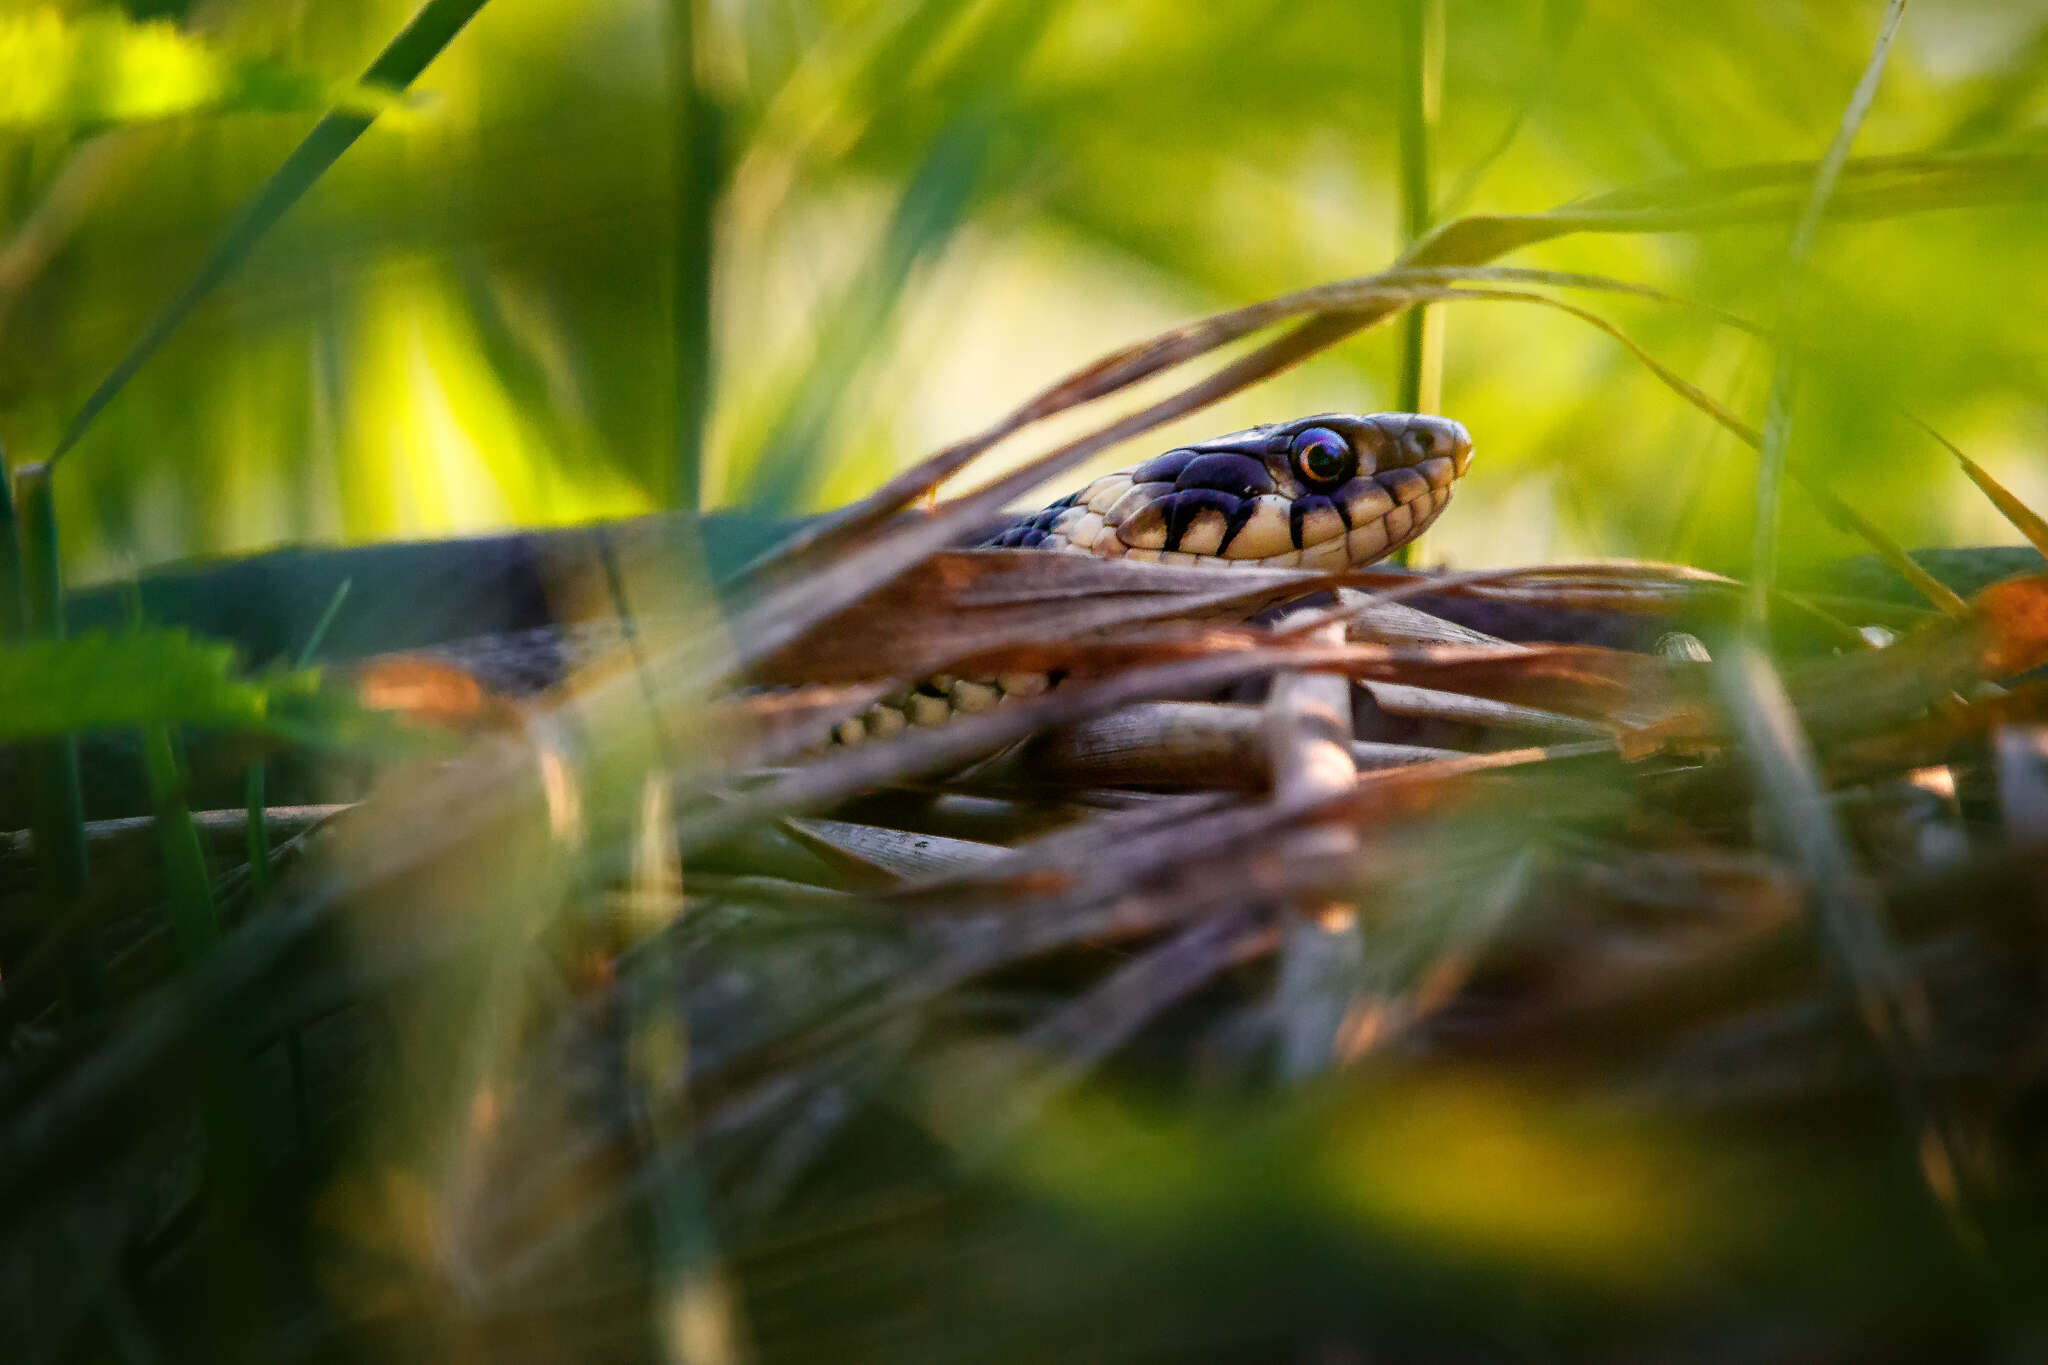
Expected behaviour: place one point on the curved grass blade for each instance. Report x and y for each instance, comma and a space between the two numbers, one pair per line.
395, 69
2024, 519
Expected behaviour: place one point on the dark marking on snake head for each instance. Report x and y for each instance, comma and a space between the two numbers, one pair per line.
1163, 468
1226, 472
1179, 516
1309, 503
1235, 521
1183, 507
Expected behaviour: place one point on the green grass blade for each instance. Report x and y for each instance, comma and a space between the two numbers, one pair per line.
258, 828
700, 170
1422, 70
13, 608
1422, 340
60, 818
417, 44
1778, 413
188, 890
970, 154
1560, 23
933, 207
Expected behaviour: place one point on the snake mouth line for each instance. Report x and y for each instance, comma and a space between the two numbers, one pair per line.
1368, 518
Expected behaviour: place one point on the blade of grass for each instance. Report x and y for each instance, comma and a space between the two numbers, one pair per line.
700, 171
13, 584
967, 155
1422, 79
1784, 377
931, 210
1322, 973
400, 63
13, 613
1846, 913
1872, 187
60, 827
1560, 25
2024, 519
258, 828
1421, 99
188, 890
188, 898
61, 864
1836, 510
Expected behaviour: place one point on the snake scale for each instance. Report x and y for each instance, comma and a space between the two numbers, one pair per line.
1332, 491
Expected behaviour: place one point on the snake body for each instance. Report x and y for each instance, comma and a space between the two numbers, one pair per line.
1332, 491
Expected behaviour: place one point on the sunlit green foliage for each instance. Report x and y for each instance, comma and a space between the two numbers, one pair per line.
928, 210
99, 68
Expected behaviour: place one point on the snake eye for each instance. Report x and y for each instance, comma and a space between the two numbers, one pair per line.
1321, 456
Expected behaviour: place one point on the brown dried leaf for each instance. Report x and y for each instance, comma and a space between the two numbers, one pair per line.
972, 603
895, 856
1434, 704
2013, 616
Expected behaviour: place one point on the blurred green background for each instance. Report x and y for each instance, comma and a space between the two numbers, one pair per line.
914, 213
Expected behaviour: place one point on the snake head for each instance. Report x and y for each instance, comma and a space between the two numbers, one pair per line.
1323, 492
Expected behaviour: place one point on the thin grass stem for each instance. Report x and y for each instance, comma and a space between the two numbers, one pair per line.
400, 63
1777, 431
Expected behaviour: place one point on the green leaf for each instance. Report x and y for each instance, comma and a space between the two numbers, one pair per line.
102, 680
101, 68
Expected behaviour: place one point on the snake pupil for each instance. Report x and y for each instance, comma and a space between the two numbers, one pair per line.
1322, 456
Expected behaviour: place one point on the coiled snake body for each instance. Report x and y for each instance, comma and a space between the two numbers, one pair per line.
1332, 491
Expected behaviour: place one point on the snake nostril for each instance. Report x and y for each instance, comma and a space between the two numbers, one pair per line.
1432, 437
